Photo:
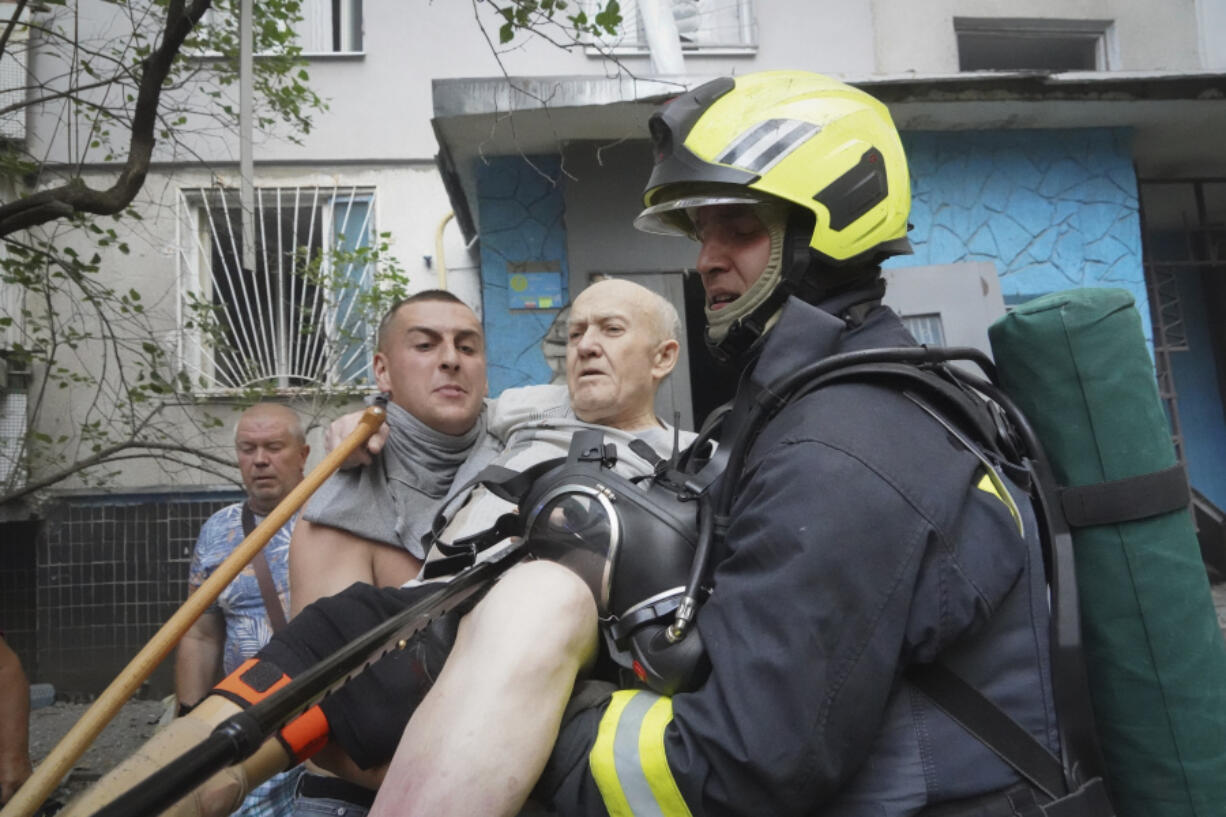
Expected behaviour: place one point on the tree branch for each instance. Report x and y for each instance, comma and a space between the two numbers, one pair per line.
64, 94
12, 23
107, 454
74, 196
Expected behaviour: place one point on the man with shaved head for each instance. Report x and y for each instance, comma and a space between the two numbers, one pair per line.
272, 452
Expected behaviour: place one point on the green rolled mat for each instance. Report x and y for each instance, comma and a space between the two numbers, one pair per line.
1077, 364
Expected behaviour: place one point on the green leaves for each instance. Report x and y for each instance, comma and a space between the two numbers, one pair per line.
536, 16
609, 18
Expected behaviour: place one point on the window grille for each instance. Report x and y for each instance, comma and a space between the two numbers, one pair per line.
14, 78
304, 316
1183, 235
927, 329
12, 300
12, 436
703, 25
331, 26
327, 26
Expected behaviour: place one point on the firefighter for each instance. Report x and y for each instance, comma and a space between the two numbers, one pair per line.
864, 537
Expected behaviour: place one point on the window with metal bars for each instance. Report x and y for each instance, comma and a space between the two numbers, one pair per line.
702, 25
331, 26
303, 315
927, 329
326, 27
14, 77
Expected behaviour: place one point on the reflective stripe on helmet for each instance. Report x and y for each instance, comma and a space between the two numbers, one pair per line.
628, 761
766, 144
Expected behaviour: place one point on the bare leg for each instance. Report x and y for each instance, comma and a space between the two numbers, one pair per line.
481, 737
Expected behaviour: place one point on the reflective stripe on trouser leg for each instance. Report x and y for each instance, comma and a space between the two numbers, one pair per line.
628, 761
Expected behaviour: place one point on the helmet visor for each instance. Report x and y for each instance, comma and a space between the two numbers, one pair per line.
676, 216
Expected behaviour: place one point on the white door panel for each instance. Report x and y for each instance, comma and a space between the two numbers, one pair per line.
961, 299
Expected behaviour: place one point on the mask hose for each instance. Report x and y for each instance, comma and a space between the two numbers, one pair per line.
693, 588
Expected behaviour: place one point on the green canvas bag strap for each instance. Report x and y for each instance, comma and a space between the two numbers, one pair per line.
1127, 500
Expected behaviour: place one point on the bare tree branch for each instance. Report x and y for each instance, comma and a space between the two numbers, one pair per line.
12, 24
106, 455
74, 196
67, 93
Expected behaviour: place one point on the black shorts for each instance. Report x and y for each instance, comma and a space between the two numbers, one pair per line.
367, 715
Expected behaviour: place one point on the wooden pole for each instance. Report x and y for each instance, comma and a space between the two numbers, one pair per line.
59, 762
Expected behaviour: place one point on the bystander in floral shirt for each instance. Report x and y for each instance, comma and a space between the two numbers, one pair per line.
247, 625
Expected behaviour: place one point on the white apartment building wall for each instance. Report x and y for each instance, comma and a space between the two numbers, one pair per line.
387, 90
380, 96
1211, 18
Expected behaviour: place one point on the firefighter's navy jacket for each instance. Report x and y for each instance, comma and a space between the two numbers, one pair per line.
864, 537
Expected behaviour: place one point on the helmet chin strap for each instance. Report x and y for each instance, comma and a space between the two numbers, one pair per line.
793, 269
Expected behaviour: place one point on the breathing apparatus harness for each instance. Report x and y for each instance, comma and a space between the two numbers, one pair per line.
974, 410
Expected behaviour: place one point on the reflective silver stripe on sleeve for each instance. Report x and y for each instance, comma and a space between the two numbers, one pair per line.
628, 761
629, 765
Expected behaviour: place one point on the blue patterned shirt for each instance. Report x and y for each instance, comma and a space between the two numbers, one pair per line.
247, 625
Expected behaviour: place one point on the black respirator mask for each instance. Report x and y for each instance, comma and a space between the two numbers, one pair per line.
633, 543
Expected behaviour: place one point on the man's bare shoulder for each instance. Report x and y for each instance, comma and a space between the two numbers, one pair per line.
325, 560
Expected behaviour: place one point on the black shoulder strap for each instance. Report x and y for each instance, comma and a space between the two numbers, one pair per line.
1011, 743
754, 405
989, 723
263, 576
1005, 433
938, 388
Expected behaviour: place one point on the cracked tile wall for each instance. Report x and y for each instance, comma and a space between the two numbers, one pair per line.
521, 214
1053, 209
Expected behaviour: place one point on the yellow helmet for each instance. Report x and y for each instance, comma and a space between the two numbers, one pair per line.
809, 140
